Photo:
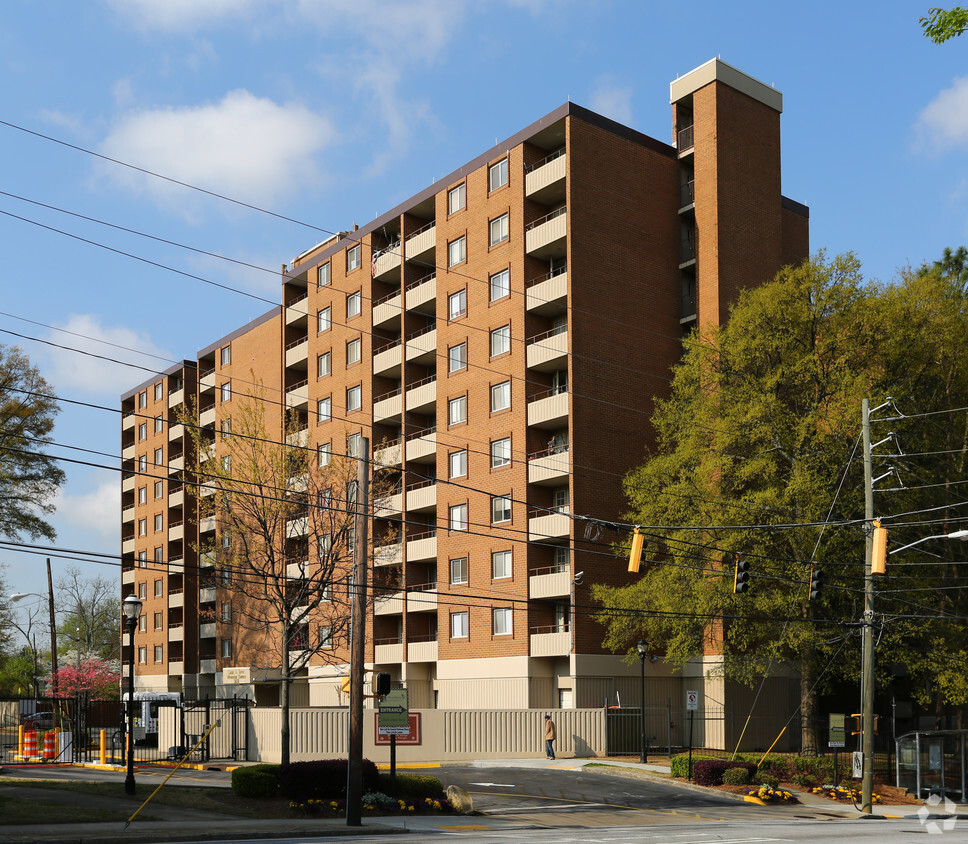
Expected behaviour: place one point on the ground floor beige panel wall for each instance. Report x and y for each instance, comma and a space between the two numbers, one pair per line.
483, 683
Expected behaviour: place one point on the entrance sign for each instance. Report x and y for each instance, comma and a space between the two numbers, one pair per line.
394, 712
836, 735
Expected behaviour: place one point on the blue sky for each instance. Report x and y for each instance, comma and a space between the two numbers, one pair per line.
332, 113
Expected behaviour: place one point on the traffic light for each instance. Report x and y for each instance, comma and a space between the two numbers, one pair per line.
741, 576
382, 684
816, 582
854, 724
635, 554
879, 550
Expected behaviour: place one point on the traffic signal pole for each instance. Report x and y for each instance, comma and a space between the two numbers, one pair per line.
867, 672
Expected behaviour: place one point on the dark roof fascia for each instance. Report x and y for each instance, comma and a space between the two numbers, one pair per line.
795, 207
178, 367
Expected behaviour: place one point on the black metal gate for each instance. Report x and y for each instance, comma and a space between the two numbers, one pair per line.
229, 738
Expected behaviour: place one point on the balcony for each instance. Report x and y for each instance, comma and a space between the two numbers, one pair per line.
422, 346
128, 422
388, 555
388, 505
176, 565
296, 310
548, 351
549, 641
176, 667
550, 466
127, 453
176, 498
176, 464
206, 595
552, 582
127, 484
421, 295
422, 598
297, 527
206, 382
548, 526
176, 600
422, 651
388, 360
127, 514
387, 651
207, 559
422, 396
422, 446
206, 524
549, 410
389, 604
386, 309
422, 498
175, 398
127, 546
422, 546
685, 139
545, 237
207, 666
422, 244
176, 432
545, 182
687, 195
297, 396
297, 352
389, 453
547, 294
387, 260
298, 439
127, 576
176, 634
176, 532
388, 407
206, 630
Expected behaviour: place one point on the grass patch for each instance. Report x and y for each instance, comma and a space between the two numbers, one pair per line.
17, 812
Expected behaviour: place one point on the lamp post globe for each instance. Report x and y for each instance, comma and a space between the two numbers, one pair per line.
131, 609
643, 651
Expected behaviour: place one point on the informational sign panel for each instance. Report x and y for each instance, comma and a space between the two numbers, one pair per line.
394, 713
411, 737
692, 701
858, 766
836, 735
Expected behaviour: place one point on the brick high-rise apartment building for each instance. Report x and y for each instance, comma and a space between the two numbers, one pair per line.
499, 338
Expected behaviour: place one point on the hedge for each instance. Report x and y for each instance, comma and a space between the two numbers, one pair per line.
413, 786
324, 779
261, 781
680, 764
710, 772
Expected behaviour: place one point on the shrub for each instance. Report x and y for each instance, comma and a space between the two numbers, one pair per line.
766, 779
711, 772
413, 786
259, 781
322, 779
381, 801
680, 764
804, 780
736, 776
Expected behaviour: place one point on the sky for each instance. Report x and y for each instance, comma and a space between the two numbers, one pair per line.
332, 113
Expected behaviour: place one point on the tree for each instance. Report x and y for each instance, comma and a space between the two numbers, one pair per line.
943, 24
284, 542
757, 450
94, 677
29, 478
91, 616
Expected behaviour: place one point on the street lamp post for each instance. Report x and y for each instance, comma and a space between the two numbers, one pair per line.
131, 607
49, 597
642, 649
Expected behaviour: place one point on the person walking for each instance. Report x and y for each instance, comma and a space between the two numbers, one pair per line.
550, 736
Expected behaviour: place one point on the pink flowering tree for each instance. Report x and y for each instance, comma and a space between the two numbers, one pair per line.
92, 676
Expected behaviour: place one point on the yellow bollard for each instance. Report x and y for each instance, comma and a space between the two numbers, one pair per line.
20, 741
104, 747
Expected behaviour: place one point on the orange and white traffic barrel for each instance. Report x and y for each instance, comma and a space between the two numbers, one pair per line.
50, 746
30, 744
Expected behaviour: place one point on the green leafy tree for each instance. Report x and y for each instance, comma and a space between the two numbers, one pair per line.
29, 478
90, 624
761, 429
943, 24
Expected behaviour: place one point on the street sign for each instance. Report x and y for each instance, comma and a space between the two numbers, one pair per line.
692, 701
858, 765
836, 735
394, 712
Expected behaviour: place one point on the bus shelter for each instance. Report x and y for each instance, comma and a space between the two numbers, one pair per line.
932, 762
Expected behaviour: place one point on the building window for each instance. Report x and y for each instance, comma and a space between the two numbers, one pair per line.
497, 175
226, 391
159, 653
457, 198
351, 541
142, 400
142, 527
142, 623
500, 285
159, 522
226, 648
142, 655
323, 275
142, 494
226, 616
459, 628
159, 554
458, 570
159, 588
457, 251
159, 456
323, 453
502, 621
225, 355
159, 424
353, 351
159, 621
323, 321
159, 489
500, 396
500, 509
354, 257
500, 564
560, 500
354, 398
225, 426
457, 304
324, 410
326, 636
324, 364
501, 453
457, 410
457, 357
501, 341
226, 576
560, 559
457, 517
353, 445
143, 431
143, 463
498, 231
458, 464
227, 463
159, 391
354, 303
142, 559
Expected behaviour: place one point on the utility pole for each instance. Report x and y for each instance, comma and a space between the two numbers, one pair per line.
867, 673
354, 765
53, 631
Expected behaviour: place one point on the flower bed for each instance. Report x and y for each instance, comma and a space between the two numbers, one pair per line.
768, 794
373, 804
841, 793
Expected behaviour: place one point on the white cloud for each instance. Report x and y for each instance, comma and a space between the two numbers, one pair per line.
944, 122
612, 99
84, 373
246, 147
181, 15
95, 511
